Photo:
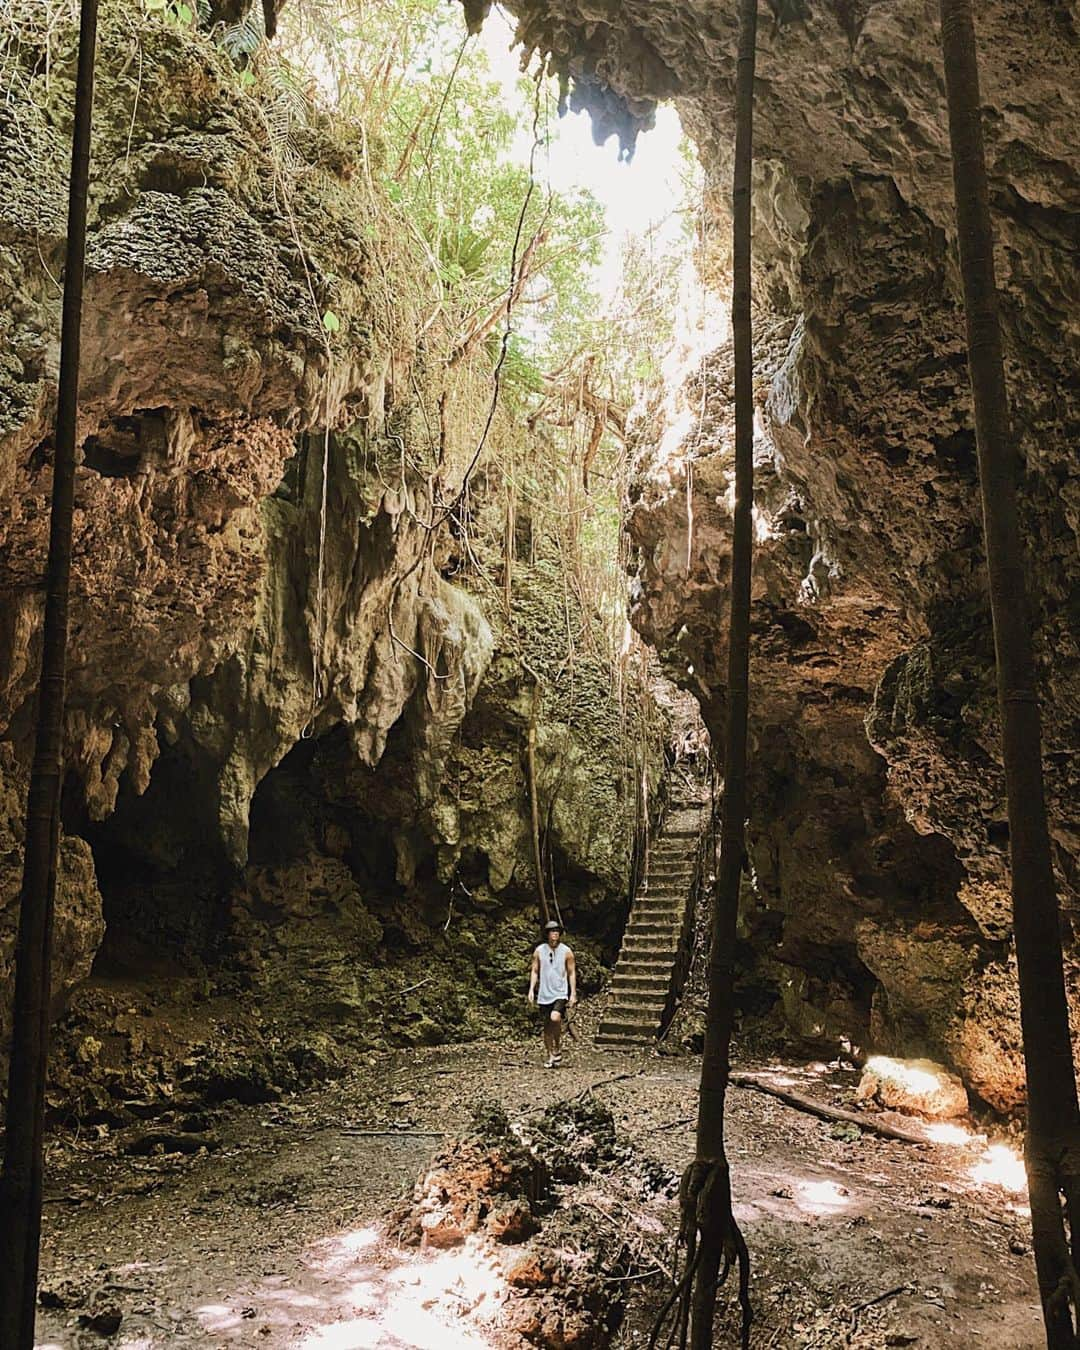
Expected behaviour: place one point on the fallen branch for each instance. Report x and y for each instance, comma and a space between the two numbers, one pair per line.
603, 1082
872, 1302
408, 1134
807, 1104
641, 1275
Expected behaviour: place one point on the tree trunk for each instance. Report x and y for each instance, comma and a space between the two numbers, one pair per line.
713, 1241
21, 1179
1053, 1140
534, 810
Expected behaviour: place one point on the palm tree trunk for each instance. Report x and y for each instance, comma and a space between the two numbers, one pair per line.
21, 1179
712, 1238
1053, 1140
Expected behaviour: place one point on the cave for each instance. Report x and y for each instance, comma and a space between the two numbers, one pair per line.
418, 394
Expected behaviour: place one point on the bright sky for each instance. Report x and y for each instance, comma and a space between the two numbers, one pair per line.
636, 196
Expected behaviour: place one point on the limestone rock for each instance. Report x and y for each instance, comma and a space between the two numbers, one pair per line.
877, 823
918, 1087
78, 925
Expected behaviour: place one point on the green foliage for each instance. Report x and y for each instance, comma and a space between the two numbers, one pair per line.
241, 39
176, 10
461, 251
448, 156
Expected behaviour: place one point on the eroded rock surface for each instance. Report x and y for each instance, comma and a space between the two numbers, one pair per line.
260, 563
878, 821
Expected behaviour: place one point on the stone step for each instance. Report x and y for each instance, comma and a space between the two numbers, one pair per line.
641, 982
662, 960
648, 966
639, 1011
645, 999
633, 1026
648, 947
645, 1031
628, 984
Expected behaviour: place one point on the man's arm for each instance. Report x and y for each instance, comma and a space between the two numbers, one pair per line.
534, 975
571, 975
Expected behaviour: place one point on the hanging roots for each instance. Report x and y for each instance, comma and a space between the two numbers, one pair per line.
711, 1239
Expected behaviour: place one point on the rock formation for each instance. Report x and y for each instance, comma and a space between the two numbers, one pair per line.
257, 571
284, 715
880, 902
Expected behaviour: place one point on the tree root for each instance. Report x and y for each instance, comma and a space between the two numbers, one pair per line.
713, 1244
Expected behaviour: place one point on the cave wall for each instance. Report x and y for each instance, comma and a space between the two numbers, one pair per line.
878, 830
220, 616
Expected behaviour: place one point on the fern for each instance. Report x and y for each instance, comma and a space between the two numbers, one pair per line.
287, 109
243, 38
291, 95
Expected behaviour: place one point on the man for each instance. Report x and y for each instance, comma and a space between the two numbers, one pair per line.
553, 987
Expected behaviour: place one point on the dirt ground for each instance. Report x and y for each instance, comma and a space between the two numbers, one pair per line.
269, 1229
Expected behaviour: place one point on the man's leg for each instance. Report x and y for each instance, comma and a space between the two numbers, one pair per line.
556, 1032
546, 1024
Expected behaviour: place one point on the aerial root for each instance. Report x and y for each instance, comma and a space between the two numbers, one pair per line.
713, 1244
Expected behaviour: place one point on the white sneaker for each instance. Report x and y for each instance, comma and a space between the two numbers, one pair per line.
556, 1060
550, 1062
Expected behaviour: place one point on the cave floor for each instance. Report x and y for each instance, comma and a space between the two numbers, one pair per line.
276, 1237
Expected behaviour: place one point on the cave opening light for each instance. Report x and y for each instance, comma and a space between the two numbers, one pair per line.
653, 204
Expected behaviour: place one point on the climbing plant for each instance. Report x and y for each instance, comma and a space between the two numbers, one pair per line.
447, 149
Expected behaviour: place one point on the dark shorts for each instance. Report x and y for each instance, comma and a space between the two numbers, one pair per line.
546, 1009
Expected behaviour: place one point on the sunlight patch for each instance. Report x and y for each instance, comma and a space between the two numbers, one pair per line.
418, 1300
359, 1240
1000, 1166
941, 1132
822, 1197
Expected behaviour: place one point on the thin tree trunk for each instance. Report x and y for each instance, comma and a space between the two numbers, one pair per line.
509, 530
721, 1242
21, 1179
1053, 1140
712, 1238
534, 809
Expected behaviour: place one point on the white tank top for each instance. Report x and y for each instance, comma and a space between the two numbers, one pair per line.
553, 981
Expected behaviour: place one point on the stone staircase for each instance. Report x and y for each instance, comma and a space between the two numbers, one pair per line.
651, 965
